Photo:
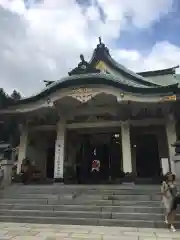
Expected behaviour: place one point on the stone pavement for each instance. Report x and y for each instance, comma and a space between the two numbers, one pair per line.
22, 231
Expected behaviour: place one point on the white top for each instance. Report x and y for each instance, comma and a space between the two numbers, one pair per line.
167, 196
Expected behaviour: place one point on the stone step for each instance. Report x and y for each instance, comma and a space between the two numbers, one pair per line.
84, 190
120, 205
86, 221
93, 187
118, 209
86, 214
80, 202
83, 196
115, 202
96, 189
122, 197
90, 188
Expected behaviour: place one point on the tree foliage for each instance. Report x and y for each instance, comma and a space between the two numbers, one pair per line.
6, 99
9, 127
15, 95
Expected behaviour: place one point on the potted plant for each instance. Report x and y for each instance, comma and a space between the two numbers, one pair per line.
129, 177
121, 176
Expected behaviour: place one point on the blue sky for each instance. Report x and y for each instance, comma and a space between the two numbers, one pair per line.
165, 29
42, 39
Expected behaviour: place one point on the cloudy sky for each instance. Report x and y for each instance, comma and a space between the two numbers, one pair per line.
42, 39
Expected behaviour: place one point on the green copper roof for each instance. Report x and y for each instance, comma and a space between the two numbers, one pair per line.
87, 74
161, 72
99, 79
101, 53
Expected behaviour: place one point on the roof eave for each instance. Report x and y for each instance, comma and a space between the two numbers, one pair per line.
94, 79
153, 73
102, 54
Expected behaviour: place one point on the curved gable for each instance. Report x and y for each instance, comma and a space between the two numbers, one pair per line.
97, 79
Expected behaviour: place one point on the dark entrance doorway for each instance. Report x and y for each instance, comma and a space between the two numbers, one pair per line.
50, 154
50, 163
116, 157
104, 147
147, 156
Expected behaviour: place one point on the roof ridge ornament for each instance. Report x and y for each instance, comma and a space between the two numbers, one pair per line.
83, 67
82, 58
48, 82
83, 64
100, 49
101, 44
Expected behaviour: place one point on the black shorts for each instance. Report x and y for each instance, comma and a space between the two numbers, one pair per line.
175, 203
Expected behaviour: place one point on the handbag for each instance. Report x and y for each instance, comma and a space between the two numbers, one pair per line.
175, 195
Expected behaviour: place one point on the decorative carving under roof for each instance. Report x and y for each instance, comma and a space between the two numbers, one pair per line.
83, 68
83, 94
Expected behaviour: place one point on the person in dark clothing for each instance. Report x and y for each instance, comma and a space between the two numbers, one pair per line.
78, 172
26, 170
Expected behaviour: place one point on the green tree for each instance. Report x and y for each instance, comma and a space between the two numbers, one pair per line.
4, 99
9, 126
15, 95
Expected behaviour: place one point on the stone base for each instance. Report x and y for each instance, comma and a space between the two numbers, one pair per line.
59, 180
7, 167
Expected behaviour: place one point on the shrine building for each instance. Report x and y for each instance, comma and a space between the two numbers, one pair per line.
126, 120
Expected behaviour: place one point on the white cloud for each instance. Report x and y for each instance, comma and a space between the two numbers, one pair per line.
142, 12
163, 55
45, 41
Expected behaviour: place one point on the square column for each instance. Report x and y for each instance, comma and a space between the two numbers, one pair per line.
171, 138
126, 147
59, 153
22, 150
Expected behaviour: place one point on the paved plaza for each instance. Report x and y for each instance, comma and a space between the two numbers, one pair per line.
22, 231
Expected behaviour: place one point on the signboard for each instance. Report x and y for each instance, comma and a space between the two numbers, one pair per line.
58, 162
83, 94
169, 98
81, 90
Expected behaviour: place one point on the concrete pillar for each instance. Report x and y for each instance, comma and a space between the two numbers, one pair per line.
126, 147
59, 153
171, 138
22, 150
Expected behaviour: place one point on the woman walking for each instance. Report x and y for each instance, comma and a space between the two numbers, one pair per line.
171, 199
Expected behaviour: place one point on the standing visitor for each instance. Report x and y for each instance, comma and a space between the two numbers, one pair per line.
171, 199
25, 170
95, 169
95, 166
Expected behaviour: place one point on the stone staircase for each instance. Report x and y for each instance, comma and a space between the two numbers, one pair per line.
107, 205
